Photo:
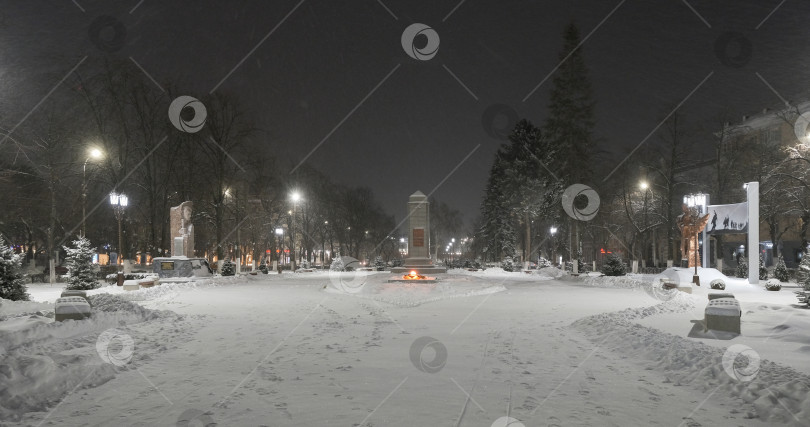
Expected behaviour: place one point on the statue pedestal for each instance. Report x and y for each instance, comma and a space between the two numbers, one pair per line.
420, 265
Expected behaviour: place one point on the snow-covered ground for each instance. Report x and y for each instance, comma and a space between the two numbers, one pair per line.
351, 349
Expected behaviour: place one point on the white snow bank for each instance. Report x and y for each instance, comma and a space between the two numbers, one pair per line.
777, 393
10, 308
41, 360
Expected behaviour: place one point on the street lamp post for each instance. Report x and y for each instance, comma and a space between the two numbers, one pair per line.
95, 153
553, 231
295, 196
280, 232
699, 202
644, 186
119, 202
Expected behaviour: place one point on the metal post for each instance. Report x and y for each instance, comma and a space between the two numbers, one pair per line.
753, 232
706, 239
120, 238
84, 197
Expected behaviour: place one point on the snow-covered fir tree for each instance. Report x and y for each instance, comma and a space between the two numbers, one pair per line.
780, 271
570, 122
803, 275
228, 268
763, 271
614, 266
263, 267
79, 261
508, 264
742, 267
12, 284
379, 264
337, 263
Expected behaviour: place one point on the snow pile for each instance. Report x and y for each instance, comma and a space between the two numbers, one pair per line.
623, 282
778, 394
41, 360
10, 308
553, 272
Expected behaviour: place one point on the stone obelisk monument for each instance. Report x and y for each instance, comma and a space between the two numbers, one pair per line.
418, 238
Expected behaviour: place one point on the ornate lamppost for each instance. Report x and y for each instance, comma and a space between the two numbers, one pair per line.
119, 202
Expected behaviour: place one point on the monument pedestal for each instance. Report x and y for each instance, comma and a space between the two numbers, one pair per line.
418, 238
420, 265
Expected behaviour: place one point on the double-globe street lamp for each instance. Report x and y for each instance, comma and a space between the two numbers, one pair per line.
119, 202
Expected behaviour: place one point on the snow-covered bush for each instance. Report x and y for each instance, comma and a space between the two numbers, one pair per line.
780, 271
263, 267
337, 264
763, 271
79, 264
773, 285
508, 264
614, 266
12, 284
742, 267
228, 268
718, 284
803, 275
543, 263
379, 264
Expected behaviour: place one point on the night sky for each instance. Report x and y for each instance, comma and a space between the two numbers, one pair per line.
645, 57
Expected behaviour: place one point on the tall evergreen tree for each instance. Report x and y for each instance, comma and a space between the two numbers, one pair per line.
79, 264
519, 189
498, 230
570, 123
12, 284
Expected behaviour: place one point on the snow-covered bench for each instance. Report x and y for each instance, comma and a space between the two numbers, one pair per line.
76, 308
131, 285
720, 295
75, 293
723, 314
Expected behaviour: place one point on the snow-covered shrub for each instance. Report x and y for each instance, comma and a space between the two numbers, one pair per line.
742, 267
379, 264
337, 264
508, 264
12, 284
614, 266
773, 285
803, 275
780, 271
79, 264
718, 284
263, 267
763, 271
543, 263
228, 268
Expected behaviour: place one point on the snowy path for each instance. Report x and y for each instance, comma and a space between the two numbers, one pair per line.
280, 354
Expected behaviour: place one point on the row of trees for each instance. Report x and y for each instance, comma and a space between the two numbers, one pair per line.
240, 191
642, 197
